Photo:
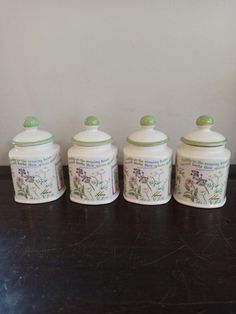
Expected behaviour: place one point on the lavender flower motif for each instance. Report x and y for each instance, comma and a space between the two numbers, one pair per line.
79, 171
31, 186
90, 185
197, 187
84, 178
141, 177
198, 179
137, 172
76, 179
133, 180
146, 185
19, 181
25, 174
29, 178
22, 188
22, 172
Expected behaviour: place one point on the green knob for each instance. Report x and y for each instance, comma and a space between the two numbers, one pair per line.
31, 122
148, 121
91, 121
205, 121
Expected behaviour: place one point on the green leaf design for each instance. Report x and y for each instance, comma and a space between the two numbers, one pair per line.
187, 195
21, 193
157, 194
187, 187
75, 184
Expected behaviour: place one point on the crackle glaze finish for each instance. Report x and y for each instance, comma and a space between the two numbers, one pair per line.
93, 169
147, 165
36, 165
202, 166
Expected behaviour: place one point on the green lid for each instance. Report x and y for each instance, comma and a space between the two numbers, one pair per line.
204, 136
147, 136
92, 136
32, 135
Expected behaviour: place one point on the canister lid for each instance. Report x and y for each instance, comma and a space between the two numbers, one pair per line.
91, 136
147, 135
32, 135
204, 136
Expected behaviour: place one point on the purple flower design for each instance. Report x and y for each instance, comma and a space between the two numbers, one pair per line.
29, 178
197, 178
141, 177
133, 179
22, 172
76, 179
83, 176
19, 180
80, 171
137, 172
25, 174
189, 182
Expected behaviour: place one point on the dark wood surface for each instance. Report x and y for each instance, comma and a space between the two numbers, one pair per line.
62, 257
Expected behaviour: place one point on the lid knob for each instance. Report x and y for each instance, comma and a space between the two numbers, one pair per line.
205, 120
148, 121
91, 121
31, 122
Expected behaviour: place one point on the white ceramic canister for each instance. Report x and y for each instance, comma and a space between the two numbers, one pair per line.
202, 166
36, 165
93, 168
147, 165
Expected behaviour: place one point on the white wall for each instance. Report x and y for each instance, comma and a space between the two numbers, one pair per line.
65, 59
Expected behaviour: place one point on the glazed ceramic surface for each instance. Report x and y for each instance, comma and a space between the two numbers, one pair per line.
147, 165
93, 166
36, 165
202, 166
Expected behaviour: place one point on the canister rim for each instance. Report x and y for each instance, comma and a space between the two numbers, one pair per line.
203, 144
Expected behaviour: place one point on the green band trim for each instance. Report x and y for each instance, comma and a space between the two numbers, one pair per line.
204, 144
48, 140
90, 144
147, 144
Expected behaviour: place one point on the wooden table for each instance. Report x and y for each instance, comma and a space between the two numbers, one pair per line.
62, 257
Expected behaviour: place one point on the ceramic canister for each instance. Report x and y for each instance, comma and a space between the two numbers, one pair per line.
93, 169
147, 165
202, 165
36, 165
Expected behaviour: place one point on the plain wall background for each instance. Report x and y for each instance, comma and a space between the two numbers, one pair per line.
63, 60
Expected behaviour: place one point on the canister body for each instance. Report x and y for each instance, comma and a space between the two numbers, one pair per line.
201, 176
93, 174
37, 173
147, 174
